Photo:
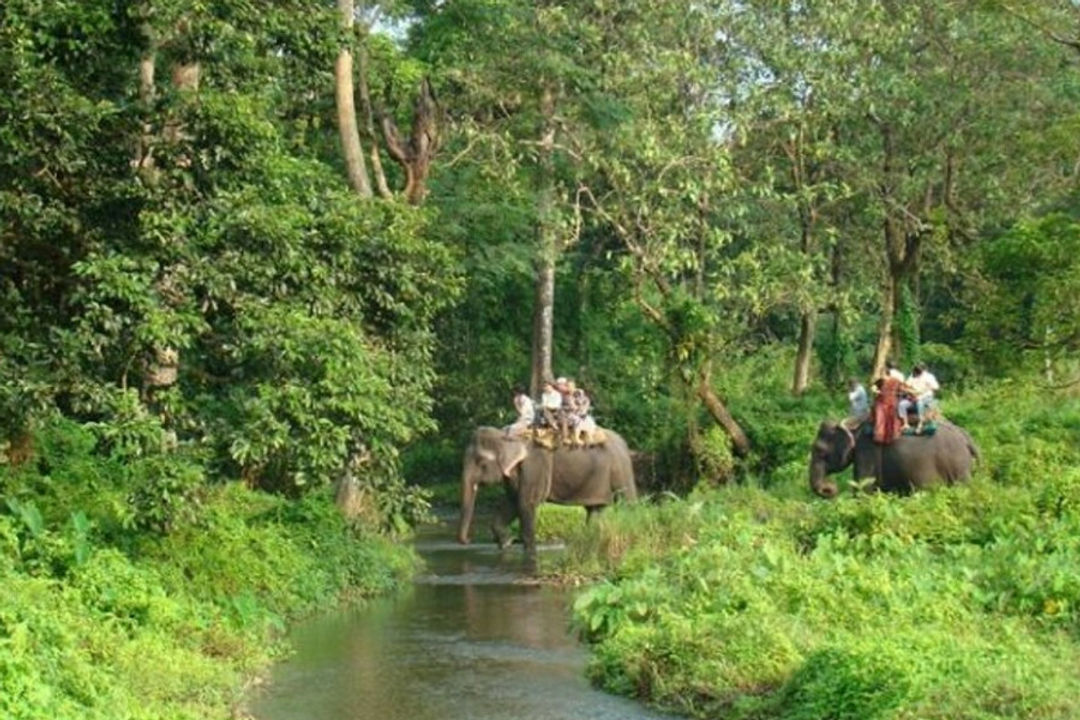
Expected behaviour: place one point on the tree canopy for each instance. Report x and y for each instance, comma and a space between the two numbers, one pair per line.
213, 246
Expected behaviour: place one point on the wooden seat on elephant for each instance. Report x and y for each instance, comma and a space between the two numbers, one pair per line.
549, 438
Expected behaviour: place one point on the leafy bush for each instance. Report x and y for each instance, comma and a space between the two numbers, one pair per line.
102, 619
956, 603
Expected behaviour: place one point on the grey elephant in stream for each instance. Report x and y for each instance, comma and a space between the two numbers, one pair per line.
593, 477
909, 463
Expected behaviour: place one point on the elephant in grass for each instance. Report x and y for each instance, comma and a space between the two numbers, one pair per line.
911, 462
592, 476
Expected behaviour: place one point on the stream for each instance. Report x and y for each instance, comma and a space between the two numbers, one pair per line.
471, 639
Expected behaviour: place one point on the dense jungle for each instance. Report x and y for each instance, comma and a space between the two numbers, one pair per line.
266, 265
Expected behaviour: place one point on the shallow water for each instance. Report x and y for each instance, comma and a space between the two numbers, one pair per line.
473, 638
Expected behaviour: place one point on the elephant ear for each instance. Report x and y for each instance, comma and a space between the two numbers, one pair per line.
511, 453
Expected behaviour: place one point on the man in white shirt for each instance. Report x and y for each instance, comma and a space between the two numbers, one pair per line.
858, 405
526, 413
892, 371
922, 384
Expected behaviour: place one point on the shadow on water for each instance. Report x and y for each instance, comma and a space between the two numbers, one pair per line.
471, 639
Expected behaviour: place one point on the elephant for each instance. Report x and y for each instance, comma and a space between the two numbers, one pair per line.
531, 474
909, 463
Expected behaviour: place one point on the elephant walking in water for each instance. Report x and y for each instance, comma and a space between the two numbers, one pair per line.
908, 463
593, 477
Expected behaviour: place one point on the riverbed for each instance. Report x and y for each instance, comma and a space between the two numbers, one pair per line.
473, 638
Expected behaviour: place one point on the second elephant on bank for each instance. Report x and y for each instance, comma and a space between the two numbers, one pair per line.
593, 477
909, 463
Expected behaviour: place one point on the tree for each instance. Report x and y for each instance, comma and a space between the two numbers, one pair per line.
199, 210
891, 113
524, 108
352, 151
1026, 302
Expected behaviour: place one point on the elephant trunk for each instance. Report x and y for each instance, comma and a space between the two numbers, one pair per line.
819, 483
468, 502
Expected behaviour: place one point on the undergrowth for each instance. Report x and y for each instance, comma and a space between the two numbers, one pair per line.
757, 601
103, 618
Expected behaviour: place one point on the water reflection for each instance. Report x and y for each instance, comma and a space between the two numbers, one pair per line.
469, 640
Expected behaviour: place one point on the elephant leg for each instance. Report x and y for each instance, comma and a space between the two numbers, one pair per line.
591, 511
503, 517
527, 514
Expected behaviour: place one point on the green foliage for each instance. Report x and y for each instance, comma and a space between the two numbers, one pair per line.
718, 170
907, 328
169, 627
302, 318
836, 353
749, 603
1025, 306
836, 684
556, 523
712, 452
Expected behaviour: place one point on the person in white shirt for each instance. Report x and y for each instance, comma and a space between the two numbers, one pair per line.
526, 413
858, 404
922, 385
550, 404
582, 425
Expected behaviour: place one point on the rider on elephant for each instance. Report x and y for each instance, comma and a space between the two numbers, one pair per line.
582, 424
526, 414
551, 402
886, 419
921, 386
858, 405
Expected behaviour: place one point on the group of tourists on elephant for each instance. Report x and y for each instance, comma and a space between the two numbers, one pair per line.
872, 439
565, 412
535, 466
895, 397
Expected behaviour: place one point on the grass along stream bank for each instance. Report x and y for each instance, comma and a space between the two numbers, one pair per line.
757, 601
102, 620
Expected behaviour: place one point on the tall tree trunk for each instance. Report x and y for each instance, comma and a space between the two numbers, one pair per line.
346, 109
144, 159
543, 323
885, 328
807, 325
719, 412
901, 250
808, 321
899, 349
369, 124
547, 249
838, 367
163, 367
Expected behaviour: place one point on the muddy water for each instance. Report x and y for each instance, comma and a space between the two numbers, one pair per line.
471, 639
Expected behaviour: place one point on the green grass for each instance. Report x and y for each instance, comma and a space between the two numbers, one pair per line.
760, 602
171, 626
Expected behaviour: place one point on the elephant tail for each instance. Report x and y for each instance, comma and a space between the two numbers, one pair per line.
976, 454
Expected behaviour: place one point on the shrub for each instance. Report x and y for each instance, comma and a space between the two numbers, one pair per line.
141, 625
959, 603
